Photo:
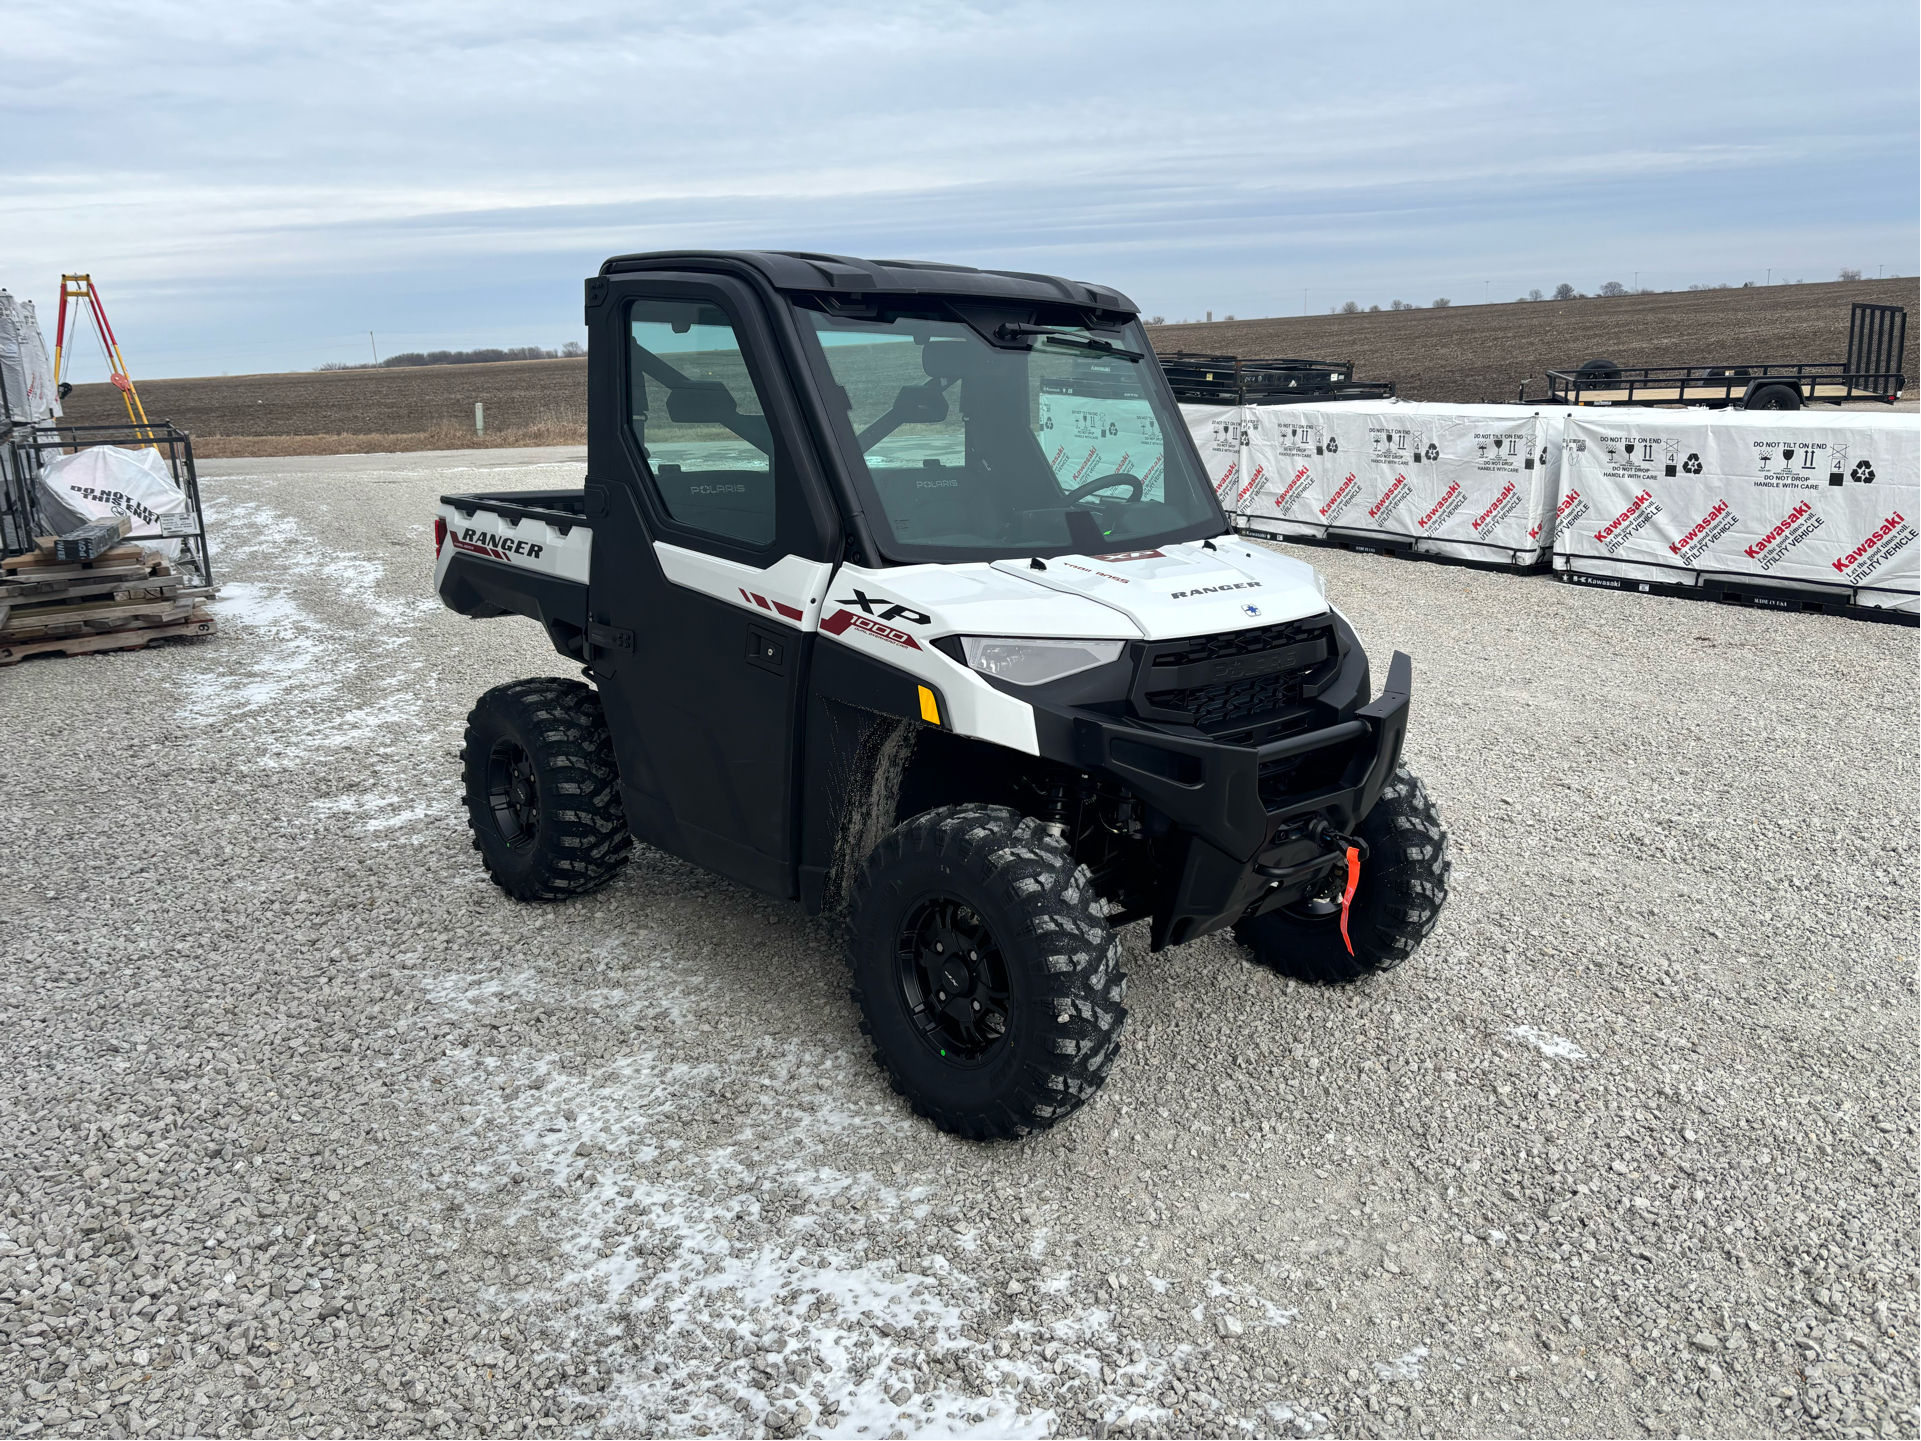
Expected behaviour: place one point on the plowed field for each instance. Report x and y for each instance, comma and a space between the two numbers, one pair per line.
1485, 352
1465, 352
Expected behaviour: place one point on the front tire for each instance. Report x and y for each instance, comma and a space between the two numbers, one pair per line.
543, 791
985, 972
1397, 903
1775, 397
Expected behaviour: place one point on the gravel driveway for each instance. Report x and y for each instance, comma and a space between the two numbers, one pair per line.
305, 1129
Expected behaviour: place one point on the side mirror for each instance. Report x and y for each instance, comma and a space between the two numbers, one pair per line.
706, 402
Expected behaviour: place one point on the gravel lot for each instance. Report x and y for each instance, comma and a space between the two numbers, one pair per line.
305, 1129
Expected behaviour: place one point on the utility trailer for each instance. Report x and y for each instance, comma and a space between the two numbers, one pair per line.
1872, 371
1228, 380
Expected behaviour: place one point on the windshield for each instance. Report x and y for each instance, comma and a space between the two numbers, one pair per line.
973, 451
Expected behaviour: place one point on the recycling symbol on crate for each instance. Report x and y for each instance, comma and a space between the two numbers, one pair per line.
1333, 444
1433, 451
1692, 465
1862, 472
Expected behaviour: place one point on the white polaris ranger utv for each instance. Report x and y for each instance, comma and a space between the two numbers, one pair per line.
900, 589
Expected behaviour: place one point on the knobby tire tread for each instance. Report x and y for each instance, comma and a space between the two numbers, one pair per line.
1061, 923
582, 839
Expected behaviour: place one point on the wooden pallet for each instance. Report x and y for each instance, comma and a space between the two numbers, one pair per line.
126, 598
133, 638
42, 563
99, 614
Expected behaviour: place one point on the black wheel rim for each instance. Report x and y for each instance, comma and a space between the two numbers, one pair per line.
954, 982
512, 793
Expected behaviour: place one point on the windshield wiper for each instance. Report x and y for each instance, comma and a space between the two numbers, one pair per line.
1053, 335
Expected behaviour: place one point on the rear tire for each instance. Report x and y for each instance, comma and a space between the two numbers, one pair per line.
542, 790
1599, 369
1775, 397
989, 912
1396, 905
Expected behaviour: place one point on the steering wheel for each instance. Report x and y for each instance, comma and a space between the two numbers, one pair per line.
1119, 477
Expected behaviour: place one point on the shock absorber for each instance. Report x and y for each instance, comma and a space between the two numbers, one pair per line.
1054, 808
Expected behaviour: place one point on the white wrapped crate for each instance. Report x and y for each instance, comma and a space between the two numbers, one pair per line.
1466, 482
1819, 503
23, 363
1221, 437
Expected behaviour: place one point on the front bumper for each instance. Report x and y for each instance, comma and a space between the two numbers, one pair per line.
1237, 812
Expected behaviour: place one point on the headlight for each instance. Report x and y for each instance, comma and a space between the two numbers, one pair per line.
1030, 662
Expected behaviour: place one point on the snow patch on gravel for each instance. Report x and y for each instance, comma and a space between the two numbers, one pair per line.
370, 680
1559, 1048
737, 1286
1403, 1368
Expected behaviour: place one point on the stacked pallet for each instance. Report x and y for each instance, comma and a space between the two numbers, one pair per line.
124, 597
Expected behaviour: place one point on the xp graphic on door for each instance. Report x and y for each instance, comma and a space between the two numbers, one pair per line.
899, 589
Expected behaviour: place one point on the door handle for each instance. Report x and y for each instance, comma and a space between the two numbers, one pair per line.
767, 649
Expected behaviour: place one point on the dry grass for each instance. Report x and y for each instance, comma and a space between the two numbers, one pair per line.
440, 437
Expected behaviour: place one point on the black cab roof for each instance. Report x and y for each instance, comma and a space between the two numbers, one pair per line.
844, 274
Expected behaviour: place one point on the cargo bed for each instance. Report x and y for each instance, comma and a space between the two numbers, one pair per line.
519, 552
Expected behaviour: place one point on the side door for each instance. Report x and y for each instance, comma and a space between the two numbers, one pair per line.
709, 568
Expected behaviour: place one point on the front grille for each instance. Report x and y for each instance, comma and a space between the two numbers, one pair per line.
1238, 642
1235, 701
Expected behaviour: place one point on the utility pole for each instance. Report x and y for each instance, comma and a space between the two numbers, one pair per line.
1487, 291
1304, 300
1637, 282
374, 348
1770, 279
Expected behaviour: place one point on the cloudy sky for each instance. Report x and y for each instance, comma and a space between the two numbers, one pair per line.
256, 186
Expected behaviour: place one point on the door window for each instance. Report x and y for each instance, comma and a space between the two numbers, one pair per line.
698, 420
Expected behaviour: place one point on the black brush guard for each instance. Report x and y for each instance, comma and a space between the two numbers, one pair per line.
1243, 813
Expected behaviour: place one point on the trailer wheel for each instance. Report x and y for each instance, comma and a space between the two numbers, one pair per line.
985, 972
542, 790
1397, 903
1599, 369
1775, 397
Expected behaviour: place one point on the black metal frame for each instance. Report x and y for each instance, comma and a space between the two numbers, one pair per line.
1228, 380
1877, 336
1872, 371
18, 513
26, 445
1738, 590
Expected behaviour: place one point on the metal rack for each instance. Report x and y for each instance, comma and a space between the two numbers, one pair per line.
24, 449
1228, 380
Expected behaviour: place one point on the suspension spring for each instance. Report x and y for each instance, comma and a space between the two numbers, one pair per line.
1054, 808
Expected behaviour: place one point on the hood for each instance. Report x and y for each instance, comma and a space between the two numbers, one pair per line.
1187, 589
